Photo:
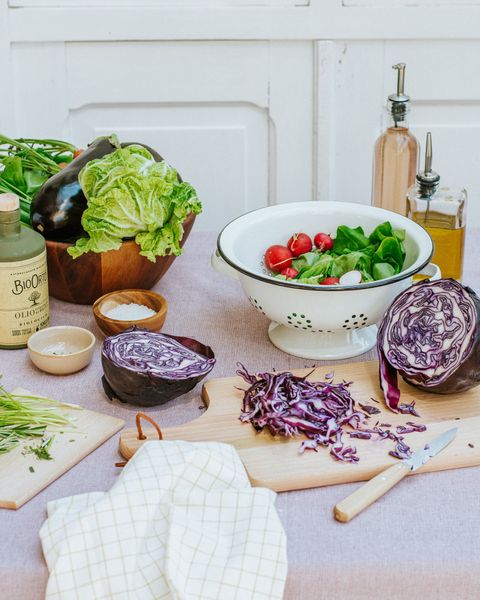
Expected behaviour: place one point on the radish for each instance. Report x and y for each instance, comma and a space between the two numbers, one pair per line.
289, 272
330, 281
278, 258
351, 278
299, 243
323, 242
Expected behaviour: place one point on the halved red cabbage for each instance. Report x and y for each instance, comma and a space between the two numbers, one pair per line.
430, 335
147, 368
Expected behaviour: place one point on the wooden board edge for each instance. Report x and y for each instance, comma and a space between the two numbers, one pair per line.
279, 488
120, 423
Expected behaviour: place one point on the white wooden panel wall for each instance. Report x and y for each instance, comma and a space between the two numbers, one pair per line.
355, 79
254, 101
235, 118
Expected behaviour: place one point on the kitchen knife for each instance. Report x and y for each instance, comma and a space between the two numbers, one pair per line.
345, 510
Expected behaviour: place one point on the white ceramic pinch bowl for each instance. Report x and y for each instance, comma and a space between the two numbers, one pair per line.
315, 321
61, 350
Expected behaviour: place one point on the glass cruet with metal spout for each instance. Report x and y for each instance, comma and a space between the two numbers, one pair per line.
396, 153
441, 210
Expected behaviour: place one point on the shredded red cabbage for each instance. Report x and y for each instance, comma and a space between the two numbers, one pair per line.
288, 405
370, 410
410, 428
431, 336
401, 451
360, 435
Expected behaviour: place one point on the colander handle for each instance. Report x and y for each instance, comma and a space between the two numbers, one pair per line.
222, 267
432, 271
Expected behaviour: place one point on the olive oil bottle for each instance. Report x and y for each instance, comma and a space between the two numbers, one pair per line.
24, 307
442, 212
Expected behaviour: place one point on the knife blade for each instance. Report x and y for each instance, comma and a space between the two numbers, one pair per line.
348, 508
419, 458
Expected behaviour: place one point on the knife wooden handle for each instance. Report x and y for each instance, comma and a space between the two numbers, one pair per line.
345, 510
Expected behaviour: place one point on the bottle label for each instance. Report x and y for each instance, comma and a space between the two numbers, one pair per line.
24, 307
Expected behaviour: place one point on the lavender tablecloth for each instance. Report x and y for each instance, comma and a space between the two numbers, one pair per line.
420, 542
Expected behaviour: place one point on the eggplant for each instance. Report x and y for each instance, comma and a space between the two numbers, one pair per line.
57, 209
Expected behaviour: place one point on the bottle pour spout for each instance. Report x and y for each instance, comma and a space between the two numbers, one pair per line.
427, 180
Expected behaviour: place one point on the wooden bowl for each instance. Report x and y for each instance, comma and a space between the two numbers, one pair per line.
113, 326
92, 275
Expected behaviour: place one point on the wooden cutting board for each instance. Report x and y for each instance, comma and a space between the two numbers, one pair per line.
18, 483
275, 462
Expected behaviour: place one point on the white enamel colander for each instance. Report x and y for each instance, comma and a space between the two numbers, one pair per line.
319, 322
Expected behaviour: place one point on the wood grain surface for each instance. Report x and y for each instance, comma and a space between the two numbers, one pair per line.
275, 462
18, 483
84, 279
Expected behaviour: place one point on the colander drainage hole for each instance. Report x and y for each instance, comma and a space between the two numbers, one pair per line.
356, 324
255, 304
300, 321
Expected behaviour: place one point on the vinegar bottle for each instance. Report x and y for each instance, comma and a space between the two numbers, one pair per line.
442, 212
23, 277
396, 153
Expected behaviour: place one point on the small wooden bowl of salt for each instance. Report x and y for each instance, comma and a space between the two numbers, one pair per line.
117, 311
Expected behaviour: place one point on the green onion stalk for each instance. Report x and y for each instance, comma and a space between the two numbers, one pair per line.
36, 154
25, 417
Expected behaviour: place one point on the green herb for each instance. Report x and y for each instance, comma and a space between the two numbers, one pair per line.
26, 164
42, 452
131, 196
25, 417
377, 256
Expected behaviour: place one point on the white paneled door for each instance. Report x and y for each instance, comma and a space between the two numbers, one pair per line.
235, 118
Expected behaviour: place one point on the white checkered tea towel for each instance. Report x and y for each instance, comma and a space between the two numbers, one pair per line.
182, 523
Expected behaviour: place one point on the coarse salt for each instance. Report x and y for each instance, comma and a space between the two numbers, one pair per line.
129, 312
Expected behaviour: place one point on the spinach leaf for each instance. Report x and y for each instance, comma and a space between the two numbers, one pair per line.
382, 231
305, 260
34, 179
382, 271
13, 172
390, 251
349, 240
348, 262
320, 267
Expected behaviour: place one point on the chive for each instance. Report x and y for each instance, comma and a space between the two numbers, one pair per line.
42, 452
26, 417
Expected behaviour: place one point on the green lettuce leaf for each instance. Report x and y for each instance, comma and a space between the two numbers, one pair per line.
129, 195
13, 172
305, 260
349, 239
382, 271
358, 261
320, 268
382, 231
390, 251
